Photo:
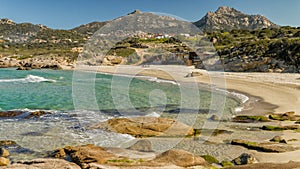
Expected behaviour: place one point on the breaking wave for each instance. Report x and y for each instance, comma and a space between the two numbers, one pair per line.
29, 79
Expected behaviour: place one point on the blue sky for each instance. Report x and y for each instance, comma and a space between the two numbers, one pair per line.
66, 14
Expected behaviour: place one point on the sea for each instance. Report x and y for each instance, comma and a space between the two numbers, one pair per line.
77, 100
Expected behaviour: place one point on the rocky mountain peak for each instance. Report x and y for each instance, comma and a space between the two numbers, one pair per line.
7, 21
226, 10
227, 18
137, 11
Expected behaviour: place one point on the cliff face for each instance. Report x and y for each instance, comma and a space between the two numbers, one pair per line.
226, 18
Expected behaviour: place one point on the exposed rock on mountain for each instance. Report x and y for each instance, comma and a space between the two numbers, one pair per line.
226, 18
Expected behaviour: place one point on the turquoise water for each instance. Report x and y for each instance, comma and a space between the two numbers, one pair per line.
74, 105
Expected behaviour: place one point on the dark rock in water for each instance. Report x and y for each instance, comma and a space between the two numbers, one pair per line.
36, 114
4, 152
278, 139
24, 68
55, 67
244, 159
9, 114
143, 145
22, 114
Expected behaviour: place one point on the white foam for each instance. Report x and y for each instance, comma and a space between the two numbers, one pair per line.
29, 79
153, 114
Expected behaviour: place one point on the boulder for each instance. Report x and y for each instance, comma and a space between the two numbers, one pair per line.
142, 127
4, 152
4, 161
179, 158
83, 155
214, 118
244, 159
143, 145
278, 139
288, 116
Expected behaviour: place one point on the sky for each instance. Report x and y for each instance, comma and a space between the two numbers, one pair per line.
67, 14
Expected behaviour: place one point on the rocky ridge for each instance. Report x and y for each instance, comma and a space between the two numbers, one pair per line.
227, 18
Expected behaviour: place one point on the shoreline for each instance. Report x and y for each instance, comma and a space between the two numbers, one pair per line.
251, 103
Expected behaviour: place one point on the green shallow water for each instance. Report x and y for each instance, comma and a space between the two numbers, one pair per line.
83, 99
52, 90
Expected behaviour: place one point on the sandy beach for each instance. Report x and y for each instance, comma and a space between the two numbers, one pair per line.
267, 92
277, 92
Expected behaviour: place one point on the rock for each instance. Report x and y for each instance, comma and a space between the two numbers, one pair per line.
250, 119
289, 165
60, 153
24, 68
290, 116
83, 155
22, 114
7, 143
244, 159
226, 164
210, 159
4, 152
278, 139
43, 164
36, 114
179, 158
280, 128
4, 161
143, 145
8, 114
264, 147
142, 127
195, 74
214, 118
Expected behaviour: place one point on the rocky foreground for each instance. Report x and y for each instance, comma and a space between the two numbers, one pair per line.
142, 153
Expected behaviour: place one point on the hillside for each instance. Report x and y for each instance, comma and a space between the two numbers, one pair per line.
249, 42
226, 18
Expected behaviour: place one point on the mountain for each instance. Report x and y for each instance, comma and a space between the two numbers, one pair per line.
90, 28
227, 18
18, 33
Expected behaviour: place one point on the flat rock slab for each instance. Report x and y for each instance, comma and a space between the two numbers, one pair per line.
142, 127
43, 164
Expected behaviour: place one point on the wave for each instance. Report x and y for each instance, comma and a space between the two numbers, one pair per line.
29, 79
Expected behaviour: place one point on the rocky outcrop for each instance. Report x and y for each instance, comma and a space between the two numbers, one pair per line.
179, 158
244, 159
146, 127
142, 145
89, 156
226, 18
264, 147
290, 165
42, 164
83, 155
22, 114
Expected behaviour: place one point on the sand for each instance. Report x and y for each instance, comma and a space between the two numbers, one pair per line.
268, 92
